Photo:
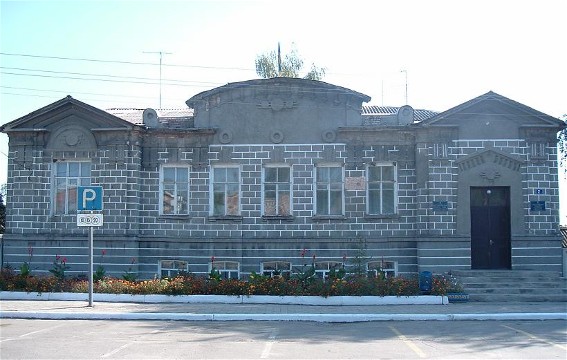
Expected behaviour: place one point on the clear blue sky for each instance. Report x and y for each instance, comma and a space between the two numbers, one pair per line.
452, 50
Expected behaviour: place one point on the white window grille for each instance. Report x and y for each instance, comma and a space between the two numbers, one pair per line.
67, 177
381, 189
389, 268
174, 194
276, 268
226, 269
277, 191
172, 268
323, 268
329, 186
225, 189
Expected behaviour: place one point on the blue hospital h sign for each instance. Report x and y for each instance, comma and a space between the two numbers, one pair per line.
89, 198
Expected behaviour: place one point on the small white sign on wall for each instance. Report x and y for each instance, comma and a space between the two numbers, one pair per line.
89, 219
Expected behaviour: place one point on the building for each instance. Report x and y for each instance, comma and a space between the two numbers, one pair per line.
267, 175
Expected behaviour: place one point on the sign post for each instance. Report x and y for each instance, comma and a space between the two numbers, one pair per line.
89, 198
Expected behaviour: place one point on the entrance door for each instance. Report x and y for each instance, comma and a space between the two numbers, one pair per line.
490, 228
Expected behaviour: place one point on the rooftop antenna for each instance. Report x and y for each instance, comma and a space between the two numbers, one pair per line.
161, 54
406, 72
279, 60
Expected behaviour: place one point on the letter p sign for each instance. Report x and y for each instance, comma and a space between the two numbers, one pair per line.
89, 198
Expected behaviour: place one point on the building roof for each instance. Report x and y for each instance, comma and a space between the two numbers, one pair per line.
311, 86
168, 117
180, 117
373, 110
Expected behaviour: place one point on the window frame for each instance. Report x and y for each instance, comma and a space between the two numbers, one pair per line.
316, 184
177, 269
223, 271
323, 268
276, 183
176, 168
212, 192
68, 188
381, 212
285, 271
388, 267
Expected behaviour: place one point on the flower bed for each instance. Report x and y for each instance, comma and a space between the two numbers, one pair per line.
198, 285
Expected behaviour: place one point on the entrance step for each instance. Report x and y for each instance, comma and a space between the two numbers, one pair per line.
513, 285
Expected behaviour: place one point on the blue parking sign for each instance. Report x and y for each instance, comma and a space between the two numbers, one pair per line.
89, 198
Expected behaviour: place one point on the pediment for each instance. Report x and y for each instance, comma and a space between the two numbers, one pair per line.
492, 107
63, 112
489, 158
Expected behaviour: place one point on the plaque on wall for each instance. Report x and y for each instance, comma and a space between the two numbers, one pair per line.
440, 206
537, 205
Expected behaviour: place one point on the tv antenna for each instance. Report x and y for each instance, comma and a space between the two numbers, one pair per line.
406, 72
161, 54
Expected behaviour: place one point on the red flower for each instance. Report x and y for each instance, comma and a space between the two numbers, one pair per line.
212, 259
103, 252
64, 260
302, 253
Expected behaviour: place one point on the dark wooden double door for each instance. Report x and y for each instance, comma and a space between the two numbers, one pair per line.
490, 228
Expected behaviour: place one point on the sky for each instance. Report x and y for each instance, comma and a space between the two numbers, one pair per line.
107, 53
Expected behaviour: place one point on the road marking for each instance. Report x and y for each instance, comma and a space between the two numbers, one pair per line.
130, 343
33, 332
269, 344
532, 336
408, 342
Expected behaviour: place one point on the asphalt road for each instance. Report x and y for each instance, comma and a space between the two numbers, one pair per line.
102, 339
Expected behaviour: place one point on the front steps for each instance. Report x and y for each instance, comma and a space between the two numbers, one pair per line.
513, 285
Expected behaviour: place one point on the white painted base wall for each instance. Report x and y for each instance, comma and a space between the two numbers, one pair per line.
226, 299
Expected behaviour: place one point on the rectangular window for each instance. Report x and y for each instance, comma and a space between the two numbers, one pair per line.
277, 191
172, 268
377, 268
381, 189
174, 193
68, 175
226, 191
226, 269
329, 190
276, 268
323, 268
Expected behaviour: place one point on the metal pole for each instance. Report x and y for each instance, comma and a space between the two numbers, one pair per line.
91, 266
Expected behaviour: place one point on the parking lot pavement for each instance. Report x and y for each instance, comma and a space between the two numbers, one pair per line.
174, 311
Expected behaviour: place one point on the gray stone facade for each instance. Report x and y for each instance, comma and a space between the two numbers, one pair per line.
415, 216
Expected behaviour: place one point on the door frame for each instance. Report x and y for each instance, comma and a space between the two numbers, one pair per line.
491, 235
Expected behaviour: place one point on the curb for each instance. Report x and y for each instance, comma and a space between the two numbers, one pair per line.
323, 318
228, 299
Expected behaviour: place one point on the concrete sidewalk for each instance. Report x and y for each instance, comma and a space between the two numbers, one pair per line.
40, 309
